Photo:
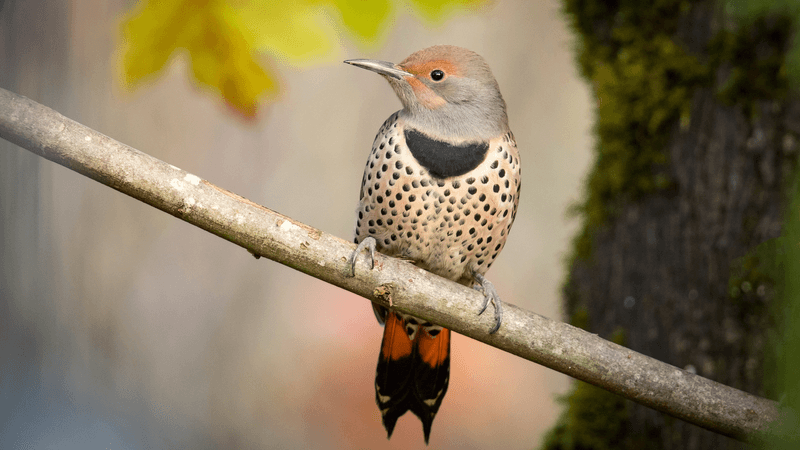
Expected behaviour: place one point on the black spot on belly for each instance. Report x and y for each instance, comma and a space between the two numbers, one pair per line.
442, 159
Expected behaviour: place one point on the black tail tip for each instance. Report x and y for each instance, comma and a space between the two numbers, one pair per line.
426, 429
389, 423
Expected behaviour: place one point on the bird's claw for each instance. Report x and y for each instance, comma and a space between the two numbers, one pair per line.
489, 294
368, 243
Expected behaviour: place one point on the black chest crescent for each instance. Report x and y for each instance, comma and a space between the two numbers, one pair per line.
442, 159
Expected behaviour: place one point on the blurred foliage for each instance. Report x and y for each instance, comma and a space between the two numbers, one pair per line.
778, 262
223, 39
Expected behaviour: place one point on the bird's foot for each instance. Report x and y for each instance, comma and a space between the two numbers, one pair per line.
368, 243
489, 294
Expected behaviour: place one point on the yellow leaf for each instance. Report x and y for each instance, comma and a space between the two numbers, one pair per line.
221, 57
294, 31
365, 19
149, 36
221, 37
437, 10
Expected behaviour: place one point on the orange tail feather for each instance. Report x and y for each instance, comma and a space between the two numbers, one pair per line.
413, 370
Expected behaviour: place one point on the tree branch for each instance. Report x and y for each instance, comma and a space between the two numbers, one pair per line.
263, 232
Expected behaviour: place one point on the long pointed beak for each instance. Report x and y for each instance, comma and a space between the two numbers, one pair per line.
382, 67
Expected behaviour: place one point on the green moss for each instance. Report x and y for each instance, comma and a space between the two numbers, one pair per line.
749, 11
754, 60
643, 82
758, 272
593, 419
580, 318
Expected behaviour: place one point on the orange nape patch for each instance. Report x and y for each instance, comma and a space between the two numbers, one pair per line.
434, 351
396, 343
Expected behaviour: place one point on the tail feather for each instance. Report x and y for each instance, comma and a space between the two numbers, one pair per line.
413, 370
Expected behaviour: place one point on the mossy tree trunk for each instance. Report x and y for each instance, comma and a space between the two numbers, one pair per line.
697, 142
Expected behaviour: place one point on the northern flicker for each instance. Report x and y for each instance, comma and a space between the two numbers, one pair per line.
440, 189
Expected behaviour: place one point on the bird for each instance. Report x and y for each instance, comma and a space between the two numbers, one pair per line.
440, 189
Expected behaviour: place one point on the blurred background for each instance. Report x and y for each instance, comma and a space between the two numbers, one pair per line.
123, 327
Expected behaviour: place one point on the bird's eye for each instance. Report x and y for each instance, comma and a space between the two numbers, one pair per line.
437, 75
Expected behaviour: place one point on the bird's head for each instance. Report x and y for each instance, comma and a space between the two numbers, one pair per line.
446, 91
